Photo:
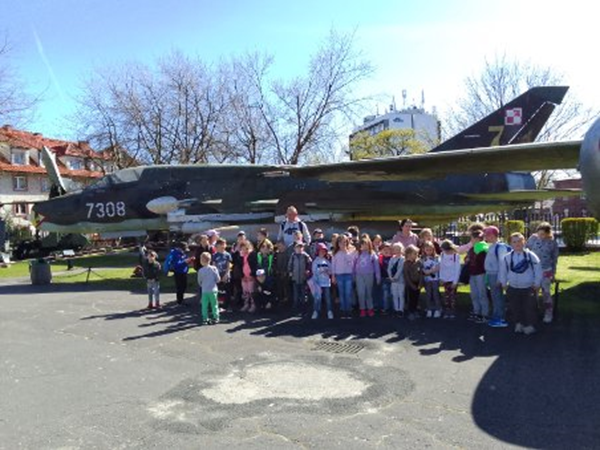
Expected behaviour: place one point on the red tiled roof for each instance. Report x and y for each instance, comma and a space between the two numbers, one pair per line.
6, 167
26, 139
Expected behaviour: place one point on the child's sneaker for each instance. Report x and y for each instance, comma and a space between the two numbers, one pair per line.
330, 314
437, 314
205, 322
215, 321
528, 330
315, 315
493, 323
519, 328
472, 316
548, 317
429, 313
480, 319
149, 306
371, 313
363, 313
252, 308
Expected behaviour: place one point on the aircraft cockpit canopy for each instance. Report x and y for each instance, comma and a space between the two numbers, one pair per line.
118, 177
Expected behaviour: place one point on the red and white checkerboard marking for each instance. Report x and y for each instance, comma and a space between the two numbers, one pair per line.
513, 116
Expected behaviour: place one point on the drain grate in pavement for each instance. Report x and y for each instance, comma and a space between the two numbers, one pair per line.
336, 347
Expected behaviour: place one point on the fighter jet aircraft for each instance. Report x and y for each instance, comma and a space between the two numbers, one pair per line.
462, 176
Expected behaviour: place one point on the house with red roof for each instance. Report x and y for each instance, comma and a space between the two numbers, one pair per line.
23, 177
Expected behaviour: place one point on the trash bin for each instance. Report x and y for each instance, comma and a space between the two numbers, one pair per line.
39, 272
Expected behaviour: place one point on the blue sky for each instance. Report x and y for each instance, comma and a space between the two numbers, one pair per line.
429, 45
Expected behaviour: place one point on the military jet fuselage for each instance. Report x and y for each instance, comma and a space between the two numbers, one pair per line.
190, 198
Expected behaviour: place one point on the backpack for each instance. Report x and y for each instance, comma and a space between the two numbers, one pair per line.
465, 275
510, 267
507, 247
301, 224
259, 259
394, 268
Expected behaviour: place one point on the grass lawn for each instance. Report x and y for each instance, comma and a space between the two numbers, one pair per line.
115, 260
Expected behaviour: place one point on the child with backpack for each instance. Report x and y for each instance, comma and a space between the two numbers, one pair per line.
366, 273
521, 275
152, 269
178, 262
299, 266
342, 273
431, 280
449, 275
543, 244
496, 252
248, 265
208, 278
321, 270
476, 263
413, 278
385, 256
396, 275
223, 261
266, 296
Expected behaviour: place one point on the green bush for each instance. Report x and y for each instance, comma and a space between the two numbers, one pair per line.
576, 231
513, 226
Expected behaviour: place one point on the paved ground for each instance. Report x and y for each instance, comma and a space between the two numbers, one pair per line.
85, 369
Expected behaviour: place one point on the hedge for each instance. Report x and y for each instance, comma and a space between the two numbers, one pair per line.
576, 231
513, 226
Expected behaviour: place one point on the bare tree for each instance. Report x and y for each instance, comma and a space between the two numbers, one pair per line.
168, 114
300, 113
246, 131
183, 111
17, 107
503, 79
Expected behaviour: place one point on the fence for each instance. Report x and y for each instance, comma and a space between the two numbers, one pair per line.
457, 231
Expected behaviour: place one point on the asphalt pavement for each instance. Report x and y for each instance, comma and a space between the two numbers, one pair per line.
83, 368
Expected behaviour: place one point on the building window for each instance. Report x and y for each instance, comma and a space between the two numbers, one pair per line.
45, 185
18, 158
75, 164
20, 209
19, 183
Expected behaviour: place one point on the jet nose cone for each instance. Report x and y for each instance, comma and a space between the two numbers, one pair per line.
41, 209
51, 211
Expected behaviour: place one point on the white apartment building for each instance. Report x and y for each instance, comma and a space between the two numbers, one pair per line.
426, 125
23, 178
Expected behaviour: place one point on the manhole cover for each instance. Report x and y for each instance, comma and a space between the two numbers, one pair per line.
336, 347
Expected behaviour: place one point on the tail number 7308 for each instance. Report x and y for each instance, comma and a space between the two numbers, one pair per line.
108, 209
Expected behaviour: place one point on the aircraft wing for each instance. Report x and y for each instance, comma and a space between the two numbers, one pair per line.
525, 195
509, 158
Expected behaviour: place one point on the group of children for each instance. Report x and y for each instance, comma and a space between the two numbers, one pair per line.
369, 274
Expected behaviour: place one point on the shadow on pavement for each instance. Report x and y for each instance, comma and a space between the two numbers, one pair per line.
541, 392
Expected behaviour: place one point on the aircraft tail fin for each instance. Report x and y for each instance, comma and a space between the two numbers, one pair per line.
519, 121
57, 186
